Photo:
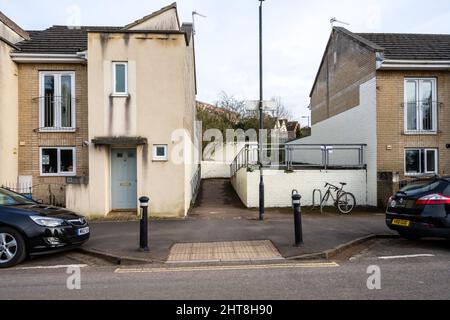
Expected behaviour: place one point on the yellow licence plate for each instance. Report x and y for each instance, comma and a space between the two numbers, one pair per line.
402, 223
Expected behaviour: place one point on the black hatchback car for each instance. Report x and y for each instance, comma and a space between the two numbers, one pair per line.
28, 228
421, 209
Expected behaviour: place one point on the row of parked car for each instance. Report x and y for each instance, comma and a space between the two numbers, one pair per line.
29, 228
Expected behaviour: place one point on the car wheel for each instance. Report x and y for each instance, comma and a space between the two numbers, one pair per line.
12, 247
409, 236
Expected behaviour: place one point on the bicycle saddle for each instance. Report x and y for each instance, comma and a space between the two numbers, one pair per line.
343, 184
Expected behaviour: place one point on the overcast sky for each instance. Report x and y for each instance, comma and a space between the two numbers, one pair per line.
295, 35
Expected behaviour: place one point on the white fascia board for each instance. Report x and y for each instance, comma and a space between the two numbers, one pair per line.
47, 58
415, 65
417, 61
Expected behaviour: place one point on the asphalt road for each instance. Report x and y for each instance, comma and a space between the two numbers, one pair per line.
409, 270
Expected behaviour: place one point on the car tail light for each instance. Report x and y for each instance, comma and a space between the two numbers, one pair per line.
433, 199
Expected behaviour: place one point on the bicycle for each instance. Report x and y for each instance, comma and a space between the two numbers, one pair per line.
344, 201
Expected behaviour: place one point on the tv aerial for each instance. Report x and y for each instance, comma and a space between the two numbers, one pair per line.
334, 21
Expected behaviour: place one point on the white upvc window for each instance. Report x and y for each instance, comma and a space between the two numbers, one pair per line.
160, 152
420, 106
57, 161
421, 162
57, 103
120, 78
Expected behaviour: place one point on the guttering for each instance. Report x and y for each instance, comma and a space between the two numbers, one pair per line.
47, 57
390, 64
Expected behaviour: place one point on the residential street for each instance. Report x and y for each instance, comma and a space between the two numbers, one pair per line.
224, 151
422, 277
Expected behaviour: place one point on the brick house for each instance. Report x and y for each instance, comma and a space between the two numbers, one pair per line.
391, 92
93, 113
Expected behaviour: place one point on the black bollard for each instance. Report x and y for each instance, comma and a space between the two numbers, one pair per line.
296, 204
143, 236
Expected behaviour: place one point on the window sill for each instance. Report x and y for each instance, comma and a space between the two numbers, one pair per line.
57, 130
119, 95
160, 160
415, 175
420, 133
53, 175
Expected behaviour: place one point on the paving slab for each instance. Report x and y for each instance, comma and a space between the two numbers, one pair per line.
223, 252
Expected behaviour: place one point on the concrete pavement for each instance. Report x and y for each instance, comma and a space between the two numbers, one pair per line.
321, 232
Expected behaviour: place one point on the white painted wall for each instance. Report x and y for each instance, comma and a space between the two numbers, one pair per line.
279, 185
217, 159
355, 126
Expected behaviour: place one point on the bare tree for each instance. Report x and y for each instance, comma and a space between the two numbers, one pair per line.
281, 111
230, 103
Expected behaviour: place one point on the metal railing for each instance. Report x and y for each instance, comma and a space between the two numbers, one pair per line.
239, 162
57, 113
421, 116
301, 156
48, 193
195, 182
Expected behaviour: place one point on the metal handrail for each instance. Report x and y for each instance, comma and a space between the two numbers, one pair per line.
283, 156
195, 181
240, 161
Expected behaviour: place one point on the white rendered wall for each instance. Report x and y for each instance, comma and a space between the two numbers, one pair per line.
217, 159
279, 186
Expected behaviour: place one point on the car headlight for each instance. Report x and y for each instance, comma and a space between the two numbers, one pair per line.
47, 222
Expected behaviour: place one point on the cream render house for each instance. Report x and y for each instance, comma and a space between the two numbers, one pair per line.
10, 34
107, 114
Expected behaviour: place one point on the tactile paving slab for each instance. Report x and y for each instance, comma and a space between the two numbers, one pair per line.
224, 252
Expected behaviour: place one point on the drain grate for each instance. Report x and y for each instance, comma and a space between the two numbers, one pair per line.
224, 252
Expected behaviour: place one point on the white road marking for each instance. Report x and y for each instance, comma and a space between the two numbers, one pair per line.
54, 267
229, 268
409, 256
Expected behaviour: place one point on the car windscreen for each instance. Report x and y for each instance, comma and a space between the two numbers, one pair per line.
9, 198
423, 187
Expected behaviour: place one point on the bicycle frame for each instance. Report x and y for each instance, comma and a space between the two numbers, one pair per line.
329, 193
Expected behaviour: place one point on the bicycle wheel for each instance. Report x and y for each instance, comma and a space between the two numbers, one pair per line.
346, 203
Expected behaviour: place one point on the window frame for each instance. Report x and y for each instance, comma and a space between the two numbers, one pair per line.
155, 153
57, 111
419, 114
115, 93
426, 172
59, 173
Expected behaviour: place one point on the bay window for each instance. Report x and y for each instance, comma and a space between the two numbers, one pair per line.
420, 106
421, 161
57, 101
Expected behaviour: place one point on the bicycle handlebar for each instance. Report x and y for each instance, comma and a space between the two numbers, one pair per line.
331, 185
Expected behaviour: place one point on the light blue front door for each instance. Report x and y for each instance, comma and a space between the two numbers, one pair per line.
123, 179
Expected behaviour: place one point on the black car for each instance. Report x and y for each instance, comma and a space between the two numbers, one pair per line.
28, 228
421, 209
